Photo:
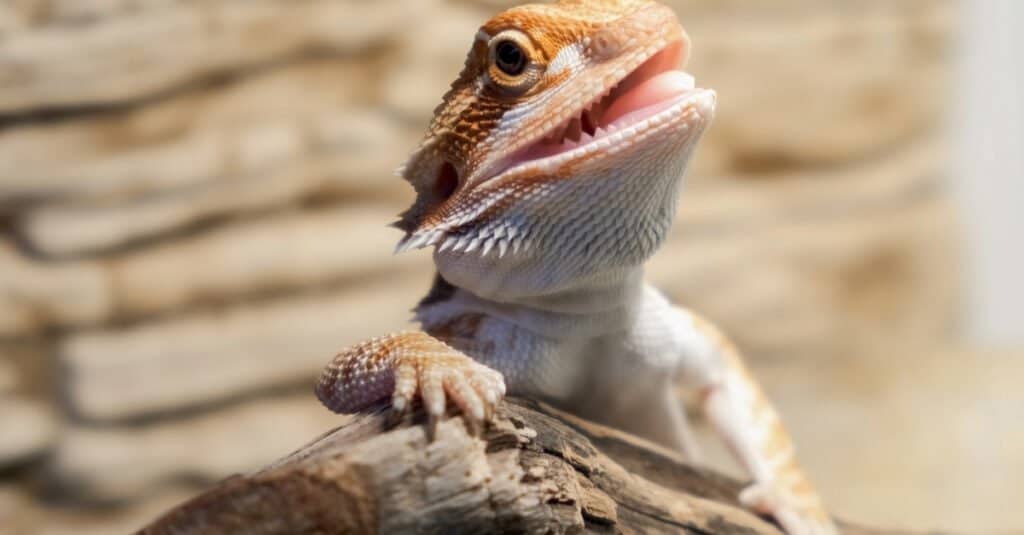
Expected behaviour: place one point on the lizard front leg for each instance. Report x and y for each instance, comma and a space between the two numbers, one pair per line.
407, 366
750, 426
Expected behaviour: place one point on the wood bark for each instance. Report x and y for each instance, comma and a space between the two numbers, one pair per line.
533, 470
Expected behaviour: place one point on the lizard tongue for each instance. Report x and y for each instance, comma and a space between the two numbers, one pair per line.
648, 97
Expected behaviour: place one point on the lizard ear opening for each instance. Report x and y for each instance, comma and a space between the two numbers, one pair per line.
432, 190
447, 181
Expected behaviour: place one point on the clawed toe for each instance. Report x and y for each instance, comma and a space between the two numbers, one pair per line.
441, 377
766, 499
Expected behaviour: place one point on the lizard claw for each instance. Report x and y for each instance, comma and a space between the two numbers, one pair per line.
410, 366
795, 517
440, 378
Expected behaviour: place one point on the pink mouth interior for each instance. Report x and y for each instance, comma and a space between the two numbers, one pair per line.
663, 87
656, 81
653, 87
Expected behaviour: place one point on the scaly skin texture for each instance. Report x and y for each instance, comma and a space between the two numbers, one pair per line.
549, 174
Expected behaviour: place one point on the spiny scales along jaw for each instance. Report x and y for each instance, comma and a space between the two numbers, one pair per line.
555, 100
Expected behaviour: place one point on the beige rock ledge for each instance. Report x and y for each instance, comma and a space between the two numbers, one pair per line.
873, 244
935, 430
218, 354
724, 205
823, 285
27, 428
534, 471
131, 54
816, 83
429, 55
35, 295
282, 252
125, 463
256, 125
287, 251
8, 375
74, 229
23, 366
355, 162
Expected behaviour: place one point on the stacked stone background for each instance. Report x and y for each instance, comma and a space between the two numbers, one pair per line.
193, 199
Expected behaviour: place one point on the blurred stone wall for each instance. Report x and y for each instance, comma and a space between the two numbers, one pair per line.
193, 199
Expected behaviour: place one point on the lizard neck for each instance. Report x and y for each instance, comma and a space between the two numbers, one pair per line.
604, 303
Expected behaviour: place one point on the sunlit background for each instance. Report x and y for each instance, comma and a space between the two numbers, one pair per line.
193, 200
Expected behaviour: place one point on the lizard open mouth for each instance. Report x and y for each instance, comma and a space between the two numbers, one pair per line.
653, 88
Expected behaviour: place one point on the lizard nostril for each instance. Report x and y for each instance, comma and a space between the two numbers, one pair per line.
447, 181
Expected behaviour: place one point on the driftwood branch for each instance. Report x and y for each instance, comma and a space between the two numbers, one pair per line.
534, 470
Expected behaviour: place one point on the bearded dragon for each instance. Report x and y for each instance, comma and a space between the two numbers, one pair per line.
549, 174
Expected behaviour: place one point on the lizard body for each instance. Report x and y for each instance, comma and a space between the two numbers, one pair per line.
549, 174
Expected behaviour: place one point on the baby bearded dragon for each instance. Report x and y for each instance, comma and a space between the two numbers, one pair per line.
549, 174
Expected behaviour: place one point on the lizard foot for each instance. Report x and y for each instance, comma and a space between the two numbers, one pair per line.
796, 516
408, 366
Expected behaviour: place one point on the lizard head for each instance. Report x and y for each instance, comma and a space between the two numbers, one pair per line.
561, 144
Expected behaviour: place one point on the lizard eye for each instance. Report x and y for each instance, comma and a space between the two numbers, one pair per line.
513, 68
509, 58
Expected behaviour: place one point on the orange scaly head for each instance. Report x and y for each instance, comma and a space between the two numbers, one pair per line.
557, 102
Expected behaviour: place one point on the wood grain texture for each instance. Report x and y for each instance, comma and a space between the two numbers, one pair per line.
534, 470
